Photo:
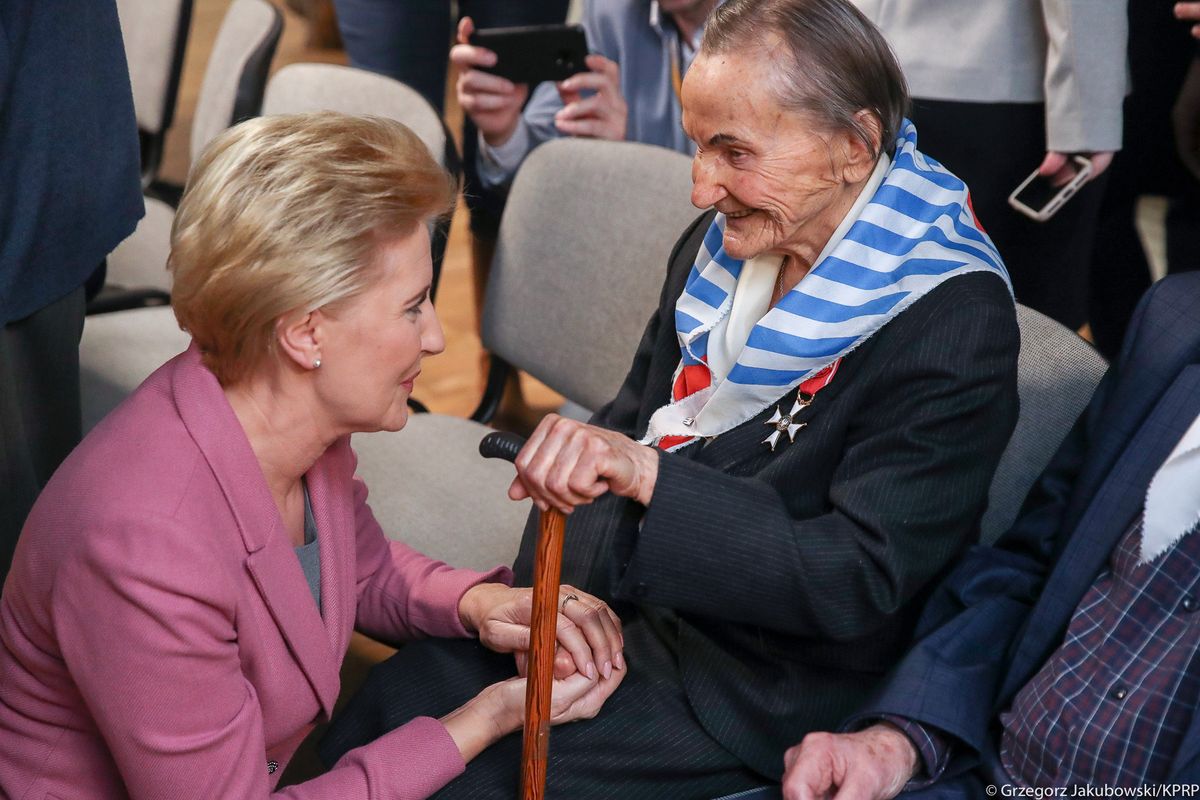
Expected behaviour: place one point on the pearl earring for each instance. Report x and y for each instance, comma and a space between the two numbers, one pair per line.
316, 363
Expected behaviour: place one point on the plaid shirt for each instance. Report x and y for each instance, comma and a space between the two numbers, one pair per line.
1112, 704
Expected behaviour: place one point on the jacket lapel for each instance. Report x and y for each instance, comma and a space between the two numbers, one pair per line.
270, 559
1107, 517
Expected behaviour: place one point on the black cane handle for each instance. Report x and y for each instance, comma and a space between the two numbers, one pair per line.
501, 444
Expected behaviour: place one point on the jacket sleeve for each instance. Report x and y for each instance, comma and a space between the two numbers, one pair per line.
904, 499
145, 617
1085, 76
403, 594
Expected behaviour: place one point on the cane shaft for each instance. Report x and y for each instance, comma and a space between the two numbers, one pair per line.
547, 570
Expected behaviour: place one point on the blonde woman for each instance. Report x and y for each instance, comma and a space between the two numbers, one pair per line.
185, 587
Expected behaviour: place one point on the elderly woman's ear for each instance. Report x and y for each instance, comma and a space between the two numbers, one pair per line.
860, 157
299, 337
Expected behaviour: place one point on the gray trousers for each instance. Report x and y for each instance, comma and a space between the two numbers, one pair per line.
39, 408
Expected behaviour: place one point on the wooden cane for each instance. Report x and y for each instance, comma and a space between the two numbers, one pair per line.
547, 571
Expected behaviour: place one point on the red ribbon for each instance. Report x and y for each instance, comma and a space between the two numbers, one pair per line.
694, 377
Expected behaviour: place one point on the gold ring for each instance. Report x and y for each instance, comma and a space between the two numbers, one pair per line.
562, 608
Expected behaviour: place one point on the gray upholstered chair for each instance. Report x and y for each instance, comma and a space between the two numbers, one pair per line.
118, 351
298, 88
236, 75
1057, 374
579, 265
155, 34
328, 87
234, 81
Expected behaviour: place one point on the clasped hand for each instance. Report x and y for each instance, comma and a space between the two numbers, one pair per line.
589, 662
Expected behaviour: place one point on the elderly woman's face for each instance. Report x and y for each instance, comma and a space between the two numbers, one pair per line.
780, 182
371, 348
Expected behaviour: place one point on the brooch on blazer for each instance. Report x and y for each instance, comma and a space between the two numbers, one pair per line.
786, 423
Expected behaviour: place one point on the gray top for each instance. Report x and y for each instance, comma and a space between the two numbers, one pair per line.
1068, 53
309, 553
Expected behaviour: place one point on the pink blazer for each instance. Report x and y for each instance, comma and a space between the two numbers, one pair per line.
157, 635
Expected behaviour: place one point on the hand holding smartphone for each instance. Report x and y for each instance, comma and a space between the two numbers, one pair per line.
1039, 199
534, 53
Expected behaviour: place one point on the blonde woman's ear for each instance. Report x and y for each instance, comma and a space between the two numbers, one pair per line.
299, 338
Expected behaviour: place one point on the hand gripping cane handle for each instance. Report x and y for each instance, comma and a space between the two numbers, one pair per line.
547, 570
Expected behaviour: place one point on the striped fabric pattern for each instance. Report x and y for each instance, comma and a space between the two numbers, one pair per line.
917, 231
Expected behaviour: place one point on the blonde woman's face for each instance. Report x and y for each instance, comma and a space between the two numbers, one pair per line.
373, 346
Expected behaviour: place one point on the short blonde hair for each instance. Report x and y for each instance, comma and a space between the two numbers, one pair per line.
285, 213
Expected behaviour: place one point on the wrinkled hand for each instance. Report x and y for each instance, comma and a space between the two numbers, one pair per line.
1058, 167
873, 764
602, 115
587, 630
567, 464
1185, 116
1189, 12
493, 103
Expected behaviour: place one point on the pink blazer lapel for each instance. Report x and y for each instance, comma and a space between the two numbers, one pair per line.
270, 559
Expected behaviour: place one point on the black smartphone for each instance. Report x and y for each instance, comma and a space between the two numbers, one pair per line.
535, 53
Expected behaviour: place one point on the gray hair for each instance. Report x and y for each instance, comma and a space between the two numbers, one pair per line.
839, 62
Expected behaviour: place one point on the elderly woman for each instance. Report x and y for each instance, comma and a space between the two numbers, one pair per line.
804, 441
185, 587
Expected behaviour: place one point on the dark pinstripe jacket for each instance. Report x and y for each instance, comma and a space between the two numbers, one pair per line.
789, 582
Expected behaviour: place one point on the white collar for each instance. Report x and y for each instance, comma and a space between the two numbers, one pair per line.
1173, 499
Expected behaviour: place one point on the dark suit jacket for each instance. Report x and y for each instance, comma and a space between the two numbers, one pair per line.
1004, 610
788, 583
69, 184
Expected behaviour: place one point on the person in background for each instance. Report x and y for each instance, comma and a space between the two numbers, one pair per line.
1000, 89
1064, 657
70, 191
640, 52
803, 443
1161, 157
184, 591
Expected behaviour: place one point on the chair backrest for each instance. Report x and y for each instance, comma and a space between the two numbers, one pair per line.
581, 259
155, 34
1057, 373
328, 87
140, 261
236, 75
118, 351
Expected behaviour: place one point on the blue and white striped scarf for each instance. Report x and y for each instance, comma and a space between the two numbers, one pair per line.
916, 231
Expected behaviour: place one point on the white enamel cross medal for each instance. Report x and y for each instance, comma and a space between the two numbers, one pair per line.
785, 423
